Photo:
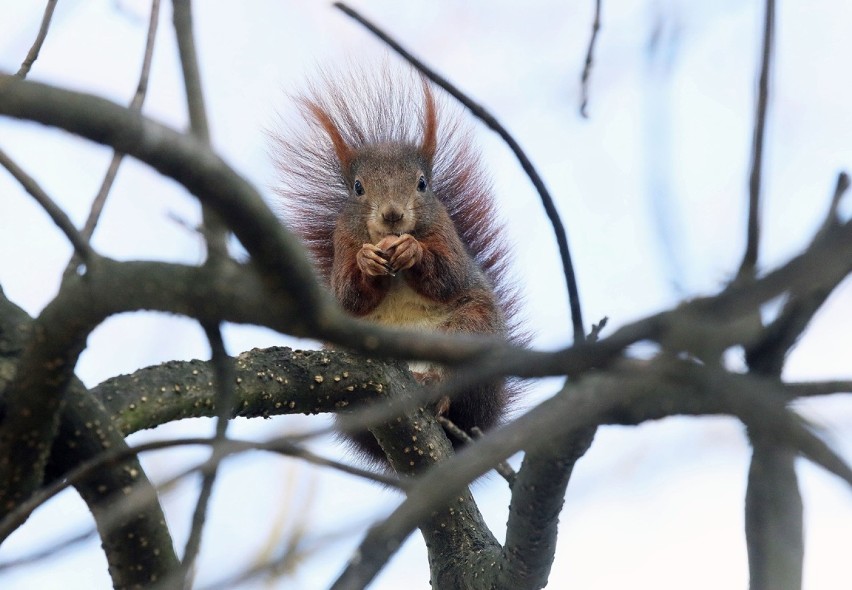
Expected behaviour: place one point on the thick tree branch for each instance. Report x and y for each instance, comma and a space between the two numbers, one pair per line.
86, 433
773, 519
275, 250
537, 499
628, 396
136, 542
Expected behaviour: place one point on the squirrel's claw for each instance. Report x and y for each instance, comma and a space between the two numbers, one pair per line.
405, 252
372, 261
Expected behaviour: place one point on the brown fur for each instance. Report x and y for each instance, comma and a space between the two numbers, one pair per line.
384, 131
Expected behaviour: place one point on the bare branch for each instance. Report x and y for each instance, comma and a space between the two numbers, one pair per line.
225, 397
773, 520
816, 388
32, 55
595, 334
85, 431
537, 500
503, 468
182, 19
190, 163
107, 458
135, 105
80, 243
480, 112
587, 66
768, 353
840, 188
749, 263
215, 230
628, 397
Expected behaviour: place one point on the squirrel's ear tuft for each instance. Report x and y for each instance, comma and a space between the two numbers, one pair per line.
430, 124
345, 154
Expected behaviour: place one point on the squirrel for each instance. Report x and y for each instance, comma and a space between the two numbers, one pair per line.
391, 200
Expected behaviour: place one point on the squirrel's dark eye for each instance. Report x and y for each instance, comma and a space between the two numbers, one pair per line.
359, 188
421, 184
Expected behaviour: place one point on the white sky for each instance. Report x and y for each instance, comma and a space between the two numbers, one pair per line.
652, 189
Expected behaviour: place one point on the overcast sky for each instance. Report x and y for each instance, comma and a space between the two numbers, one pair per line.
652, 189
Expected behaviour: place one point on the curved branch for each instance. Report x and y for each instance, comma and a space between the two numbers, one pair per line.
136, 542
86, 432
191, 163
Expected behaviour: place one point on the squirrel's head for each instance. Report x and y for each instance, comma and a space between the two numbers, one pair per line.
389, 182
390, 186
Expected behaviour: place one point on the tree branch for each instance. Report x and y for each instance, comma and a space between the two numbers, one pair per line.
587, 66
79, 242
537, 499
225, 397
32, 55
86, 432
749, 263
773, 520
215, 230
135, 105
627, 396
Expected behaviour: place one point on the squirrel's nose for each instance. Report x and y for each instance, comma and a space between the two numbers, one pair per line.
392, 215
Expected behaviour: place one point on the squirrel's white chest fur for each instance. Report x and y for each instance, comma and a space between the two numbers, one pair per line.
404, 307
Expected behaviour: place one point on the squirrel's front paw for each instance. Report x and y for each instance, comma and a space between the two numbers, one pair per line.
405, 251
372, 261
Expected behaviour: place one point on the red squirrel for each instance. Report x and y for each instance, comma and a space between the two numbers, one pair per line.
390, 198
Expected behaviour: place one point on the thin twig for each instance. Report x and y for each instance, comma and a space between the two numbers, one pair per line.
215, 230
135, 105
503, 468
81, 245
595, 334
768, 354
223, 367
32, 55
840, 188
51, 550
816, 388
281, 446
480, 112
587, 66
182, 19
750, 258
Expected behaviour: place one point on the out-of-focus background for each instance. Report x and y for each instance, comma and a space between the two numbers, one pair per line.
652, 188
